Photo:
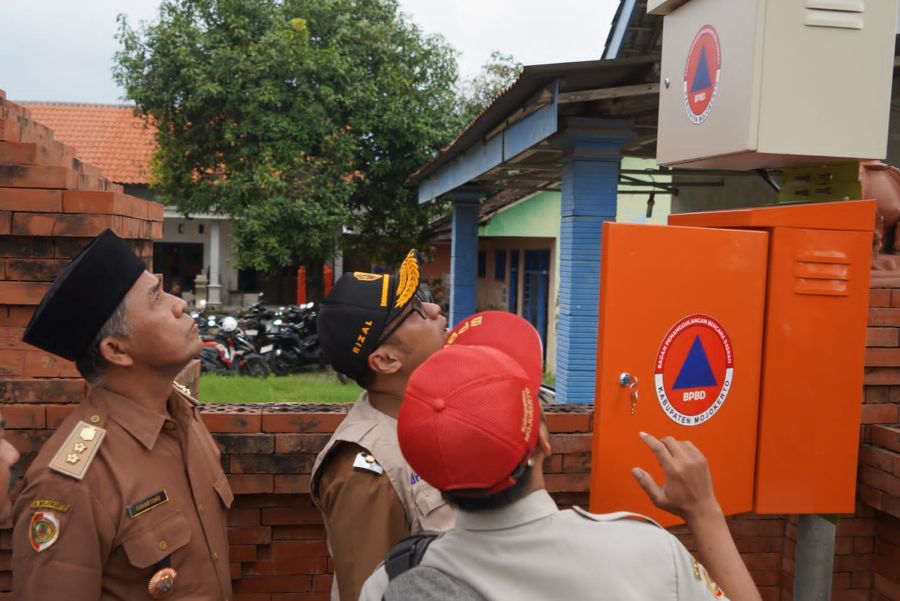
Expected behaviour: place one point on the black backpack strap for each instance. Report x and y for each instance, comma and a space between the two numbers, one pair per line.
407, 554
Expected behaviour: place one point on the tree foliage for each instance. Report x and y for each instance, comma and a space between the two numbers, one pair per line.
296, 117
477, 92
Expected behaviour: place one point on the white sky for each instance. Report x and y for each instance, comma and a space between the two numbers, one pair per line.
61, 50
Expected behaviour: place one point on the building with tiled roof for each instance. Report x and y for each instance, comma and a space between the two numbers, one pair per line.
109, 136
116, 140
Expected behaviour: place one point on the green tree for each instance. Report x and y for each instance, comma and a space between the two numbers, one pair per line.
477, 93
296, 117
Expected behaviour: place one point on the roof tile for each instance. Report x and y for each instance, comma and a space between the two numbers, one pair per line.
111, 137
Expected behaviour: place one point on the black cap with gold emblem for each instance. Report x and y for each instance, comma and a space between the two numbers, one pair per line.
354, 315
83, 296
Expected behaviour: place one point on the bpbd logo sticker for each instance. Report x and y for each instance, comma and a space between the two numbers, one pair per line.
694, 370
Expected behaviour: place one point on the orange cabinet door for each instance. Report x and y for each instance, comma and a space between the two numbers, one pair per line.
813, 370
681, 311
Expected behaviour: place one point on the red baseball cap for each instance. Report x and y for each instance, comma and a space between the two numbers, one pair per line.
471, 414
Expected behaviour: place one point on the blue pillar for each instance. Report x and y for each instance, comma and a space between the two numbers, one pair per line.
463, 259
590, 180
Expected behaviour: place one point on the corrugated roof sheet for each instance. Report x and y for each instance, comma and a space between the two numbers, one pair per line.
579, 75
108, 136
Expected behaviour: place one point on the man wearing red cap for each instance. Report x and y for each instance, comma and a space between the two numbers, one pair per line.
471, 425
127, 499
375, 329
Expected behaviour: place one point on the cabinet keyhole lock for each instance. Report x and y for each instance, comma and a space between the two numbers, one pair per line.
631, 382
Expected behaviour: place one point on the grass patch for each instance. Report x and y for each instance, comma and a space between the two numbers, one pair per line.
549, 380
314, 387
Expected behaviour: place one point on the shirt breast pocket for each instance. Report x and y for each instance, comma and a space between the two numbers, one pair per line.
150, 544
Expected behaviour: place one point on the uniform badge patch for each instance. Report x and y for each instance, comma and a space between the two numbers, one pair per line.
365, 462
366, 277
77, 453
408, 282
701, 575
44, 530
50, 504
162, 584
185, 392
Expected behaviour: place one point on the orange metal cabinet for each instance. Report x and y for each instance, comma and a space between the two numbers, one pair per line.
682, 312
814, 350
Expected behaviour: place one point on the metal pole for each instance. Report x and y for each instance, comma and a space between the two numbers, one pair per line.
814, 559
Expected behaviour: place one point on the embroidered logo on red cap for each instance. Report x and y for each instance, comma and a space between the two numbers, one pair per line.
527, 413
462, 328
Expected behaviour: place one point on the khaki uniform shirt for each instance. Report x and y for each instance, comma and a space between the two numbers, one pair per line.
531, 551
369, 506
153, 494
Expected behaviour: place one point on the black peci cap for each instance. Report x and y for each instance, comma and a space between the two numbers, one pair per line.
83, 296
355, 313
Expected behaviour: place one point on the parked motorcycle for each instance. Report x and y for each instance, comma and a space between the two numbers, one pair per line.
295, 349
285, 339
228, 352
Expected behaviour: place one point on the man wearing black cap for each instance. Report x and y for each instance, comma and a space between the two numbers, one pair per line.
127, 499
375, 329
471, 425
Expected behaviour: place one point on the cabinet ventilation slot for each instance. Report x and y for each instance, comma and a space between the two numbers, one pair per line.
842, 14
821, 275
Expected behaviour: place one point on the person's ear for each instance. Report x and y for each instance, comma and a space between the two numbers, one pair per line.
385, 360
544, 440
114, 351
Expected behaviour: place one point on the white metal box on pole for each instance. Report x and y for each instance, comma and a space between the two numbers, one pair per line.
769, 83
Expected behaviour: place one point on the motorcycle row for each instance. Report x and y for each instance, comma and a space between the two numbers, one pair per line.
260, 341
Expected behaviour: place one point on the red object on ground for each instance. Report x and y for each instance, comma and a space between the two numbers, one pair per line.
327, 278
301, 285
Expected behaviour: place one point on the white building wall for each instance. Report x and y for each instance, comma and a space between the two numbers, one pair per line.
190, 233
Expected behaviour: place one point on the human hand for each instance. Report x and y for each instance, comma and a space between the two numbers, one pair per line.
687, 490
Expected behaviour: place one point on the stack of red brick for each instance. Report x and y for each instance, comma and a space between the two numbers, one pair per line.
51, 206
879, 453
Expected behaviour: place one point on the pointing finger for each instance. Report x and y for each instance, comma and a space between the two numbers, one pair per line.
663, 456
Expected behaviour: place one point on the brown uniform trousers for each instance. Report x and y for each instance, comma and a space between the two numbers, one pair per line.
153, 495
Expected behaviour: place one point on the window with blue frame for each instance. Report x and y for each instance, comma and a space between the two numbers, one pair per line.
482, 264
500, 266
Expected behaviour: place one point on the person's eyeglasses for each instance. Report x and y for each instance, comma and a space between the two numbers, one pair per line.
415, 307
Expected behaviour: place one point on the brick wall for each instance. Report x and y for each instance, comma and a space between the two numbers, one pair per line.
51, 205
879, 453
277, 540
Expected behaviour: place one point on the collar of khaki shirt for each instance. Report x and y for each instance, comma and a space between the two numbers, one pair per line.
135, 418
536, 506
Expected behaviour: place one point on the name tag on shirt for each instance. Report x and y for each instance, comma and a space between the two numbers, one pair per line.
148, 503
